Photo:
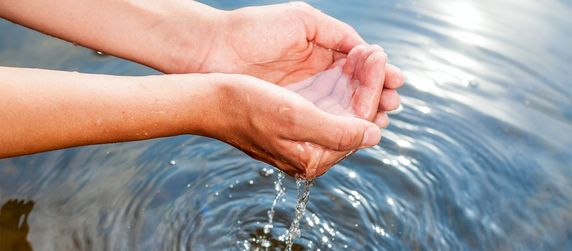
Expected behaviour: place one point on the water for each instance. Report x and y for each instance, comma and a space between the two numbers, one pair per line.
303, 191
478, 159
264, 241
280, 191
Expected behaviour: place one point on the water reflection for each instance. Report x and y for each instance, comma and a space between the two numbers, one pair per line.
477, 159
14, 225
463, 14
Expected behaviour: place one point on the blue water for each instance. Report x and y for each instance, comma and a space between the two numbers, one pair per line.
478, 159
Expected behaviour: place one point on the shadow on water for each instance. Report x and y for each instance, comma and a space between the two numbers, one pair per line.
14, 225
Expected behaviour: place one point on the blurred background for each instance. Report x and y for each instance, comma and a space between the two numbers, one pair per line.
478, 158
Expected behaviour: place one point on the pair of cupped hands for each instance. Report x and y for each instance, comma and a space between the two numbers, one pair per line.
308, 92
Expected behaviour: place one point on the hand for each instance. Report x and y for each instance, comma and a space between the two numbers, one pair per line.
353, 86
282, 128
286, 43
281, 44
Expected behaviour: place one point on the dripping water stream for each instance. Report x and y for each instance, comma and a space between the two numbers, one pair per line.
303, 187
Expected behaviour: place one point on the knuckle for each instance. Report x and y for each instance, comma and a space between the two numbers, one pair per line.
301, 4
304, 8
378, 48
381, 56
346, 139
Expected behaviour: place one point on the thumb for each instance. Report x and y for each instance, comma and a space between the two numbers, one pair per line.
339, 133
327, 31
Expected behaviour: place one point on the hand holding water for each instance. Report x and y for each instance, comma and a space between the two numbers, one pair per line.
282, 128
355, 86
279, 44
352, 87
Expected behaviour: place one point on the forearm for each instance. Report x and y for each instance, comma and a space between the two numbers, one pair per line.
44, 110
145, 31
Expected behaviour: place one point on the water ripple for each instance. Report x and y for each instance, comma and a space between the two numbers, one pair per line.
477, 159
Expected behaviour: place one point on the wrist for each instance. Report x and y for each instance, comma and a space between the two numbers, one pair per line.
200, 102
185, 34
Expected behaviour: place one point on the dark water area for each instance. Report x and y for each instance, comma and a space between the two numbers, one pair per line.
479, 158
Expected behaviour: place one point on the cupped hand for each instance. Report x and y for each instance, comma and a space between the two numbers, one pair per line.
354, 86
282, 44
282, 128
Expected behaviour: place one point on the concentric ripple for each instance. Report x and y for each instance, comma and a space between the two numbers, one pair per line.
478, 158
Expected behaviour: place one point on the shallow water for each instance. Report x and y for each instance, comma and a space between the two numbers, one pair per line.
478, 159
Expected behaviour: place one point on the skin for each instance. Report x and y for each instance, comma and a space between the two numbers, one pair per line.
257, 49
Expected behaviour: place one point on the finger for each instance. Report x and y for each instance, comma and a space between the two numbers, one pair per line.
382, 120
274, 160
287, 168
327, 31
389, 101
334, 132
330, 159
372, 77
353, 57
393, 77
308, 157
338, 55
358, 70
319, 160
299, 158
362, 59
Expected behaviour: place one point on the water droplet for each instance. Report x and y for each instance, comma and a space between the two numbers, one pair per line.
266, 172
390, 201
172, 162
251, 182
268, 228
265, 243
189, 185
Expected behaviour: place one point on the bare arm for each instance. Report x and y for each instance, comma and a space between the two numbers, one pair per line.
44, 110
145, 31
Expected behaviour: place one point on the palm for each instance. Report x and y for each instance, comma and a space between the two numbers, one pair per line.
332, 91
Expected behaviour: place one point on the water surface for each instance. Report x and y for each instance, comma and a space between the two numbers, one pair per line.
478, 159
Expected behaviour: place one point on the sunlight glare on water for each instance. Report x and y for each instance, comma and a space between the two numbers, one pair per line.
477, 158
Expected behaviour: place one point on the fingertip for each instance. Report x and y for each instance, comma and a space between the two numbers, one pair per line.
394, 77
371, 137
382, 120
389, 100
372, 74
354, 56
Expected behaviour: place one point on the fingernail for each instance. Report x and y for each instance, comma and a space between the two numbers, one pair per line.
371, 136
